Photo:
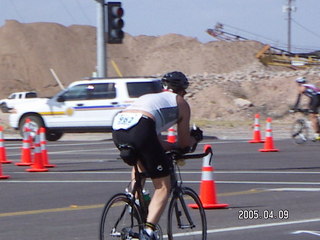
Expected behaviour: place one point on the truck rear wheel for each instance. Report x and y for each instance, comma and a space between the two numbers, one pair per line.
53, 135
4, 108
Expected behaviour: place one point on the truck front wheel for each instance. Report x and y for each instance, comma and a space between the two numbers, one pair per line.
33, 124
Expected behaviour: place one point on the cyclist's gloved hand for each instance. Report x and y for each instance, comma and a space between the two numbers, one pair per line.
197, 133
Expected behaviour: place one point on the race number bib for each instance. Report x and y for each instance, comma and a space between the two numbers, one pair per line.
126, 120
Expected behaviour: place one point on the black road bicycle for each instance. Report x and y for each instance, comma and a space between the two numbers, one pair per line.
301, 129
124, 215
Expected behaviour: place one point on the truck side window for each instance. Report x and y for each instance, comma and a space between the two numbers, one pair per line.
136, 89
78, 92
102, 91
90, 91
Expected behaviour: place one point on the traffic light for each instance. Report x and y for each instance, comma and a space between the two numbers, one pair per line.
115, 22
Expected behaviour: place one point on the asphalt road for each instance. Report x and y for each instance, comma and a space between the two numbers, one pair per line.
281, 188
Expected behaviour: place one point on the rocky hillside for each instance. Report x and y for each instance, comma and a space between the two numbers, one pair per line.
227, 81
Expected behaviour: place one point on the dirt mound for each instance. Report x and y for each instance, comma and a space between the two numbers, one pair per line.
227, 81
28, 51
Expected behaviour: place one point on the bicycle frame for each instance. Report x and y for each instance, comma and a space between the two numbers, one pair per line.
134, 212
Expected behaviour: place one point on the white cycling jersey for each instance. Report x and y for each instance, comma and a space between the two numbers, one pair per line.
162, 106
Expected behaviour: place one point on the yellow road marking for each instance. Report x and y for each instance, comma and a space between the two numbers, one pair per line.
71, 208
86, 207
251, 191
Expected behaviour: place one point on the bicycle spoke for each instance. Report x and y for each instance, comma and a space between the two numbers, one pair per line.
184, 222
300, 131
119, 220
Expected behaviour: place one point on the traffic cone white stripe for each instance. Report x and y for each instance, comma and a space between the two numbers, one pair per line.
206, 176
171, 137
269, 146
207, 187
26, 150
256, 131
3, 152
44, 151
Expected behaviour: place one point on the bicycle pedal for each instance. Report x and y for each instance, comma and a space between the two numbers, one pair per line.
127, 233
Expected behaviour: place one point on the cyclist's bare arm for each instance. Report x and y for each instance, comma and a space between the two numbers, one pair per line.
183, 127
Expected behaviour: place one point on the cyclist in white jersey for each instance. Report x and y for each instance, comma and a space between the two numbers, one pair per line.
136, 133
313, 93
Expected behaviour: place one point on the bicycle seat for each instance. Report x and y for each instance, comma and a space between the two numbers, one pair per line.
128, 154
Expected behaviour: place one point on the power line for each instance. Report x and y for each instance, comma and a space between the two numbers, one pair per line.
83, 12
67, 11
16, 10
308, 30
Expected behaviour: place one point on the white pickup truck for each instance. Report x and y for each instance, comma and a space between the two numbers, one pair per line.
85, 106
14, 98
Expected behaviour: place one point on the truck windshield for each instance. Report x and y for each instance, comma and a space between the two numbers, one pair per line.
137, 89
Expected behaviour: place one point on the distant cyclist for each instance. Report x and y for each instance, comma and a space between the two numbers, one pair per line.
313, 93
136, 133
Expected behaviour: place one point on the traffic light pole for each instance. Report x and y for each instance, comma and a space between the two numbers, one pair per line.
289, 25
101, 43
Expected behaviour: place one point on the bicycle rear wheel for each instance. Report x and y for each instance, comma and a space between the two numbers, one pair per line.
184, 222
120, 220
300, 131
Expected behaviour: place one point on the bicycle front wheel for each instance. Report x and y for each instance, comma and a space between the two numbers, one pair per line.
300, 131
120, 219
185, 222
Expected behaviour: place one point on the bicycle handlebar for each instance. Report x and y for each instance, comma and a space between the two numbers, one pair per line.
301, 110
178, 155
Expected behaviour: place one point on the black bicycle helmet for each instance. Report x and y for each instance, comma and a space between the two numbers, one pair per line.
301, 80
175, 81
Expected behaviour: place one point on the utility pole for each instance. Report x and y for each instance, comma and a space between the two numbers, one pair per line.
289, 25
101, 43
289, 9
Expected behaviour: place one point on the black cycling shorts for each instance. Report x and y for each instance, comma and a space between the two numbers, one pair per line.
314, 104
143, 137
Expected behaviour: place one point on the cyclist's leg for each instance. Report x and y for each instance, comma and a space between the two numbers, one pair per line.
159, 199
314, 105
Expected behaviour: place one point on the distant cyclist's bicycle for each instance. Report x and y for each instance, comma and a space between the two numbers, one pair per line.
301, 129
124, 215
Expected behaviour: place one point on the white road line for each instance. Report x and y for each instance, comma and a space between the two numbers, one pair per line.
316, 233
121, 181
271, 183
294, 189
183, 172
17, 146
267, 225
277, 224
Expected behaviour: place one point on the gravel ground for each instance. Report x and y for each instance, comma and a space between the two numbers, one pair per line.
280, 130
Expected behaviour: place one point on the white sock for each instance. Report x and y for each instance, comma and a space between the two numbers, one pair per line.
149, 231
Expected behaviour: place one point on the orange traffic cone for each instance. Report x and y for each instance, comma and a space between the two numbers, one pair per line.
44, 151
208, 194
27, 129
256, 131
268, 145
26, 150
171, 138
37, 165
1, 175
3, 154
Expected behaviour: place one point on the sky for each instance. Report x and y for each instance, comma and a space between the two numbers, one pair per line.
262, 20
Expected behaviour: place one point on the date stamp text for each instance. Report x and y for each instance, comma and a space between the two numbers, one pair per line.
266, 214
